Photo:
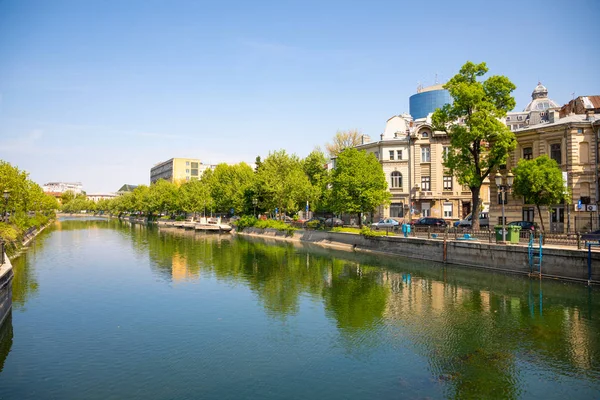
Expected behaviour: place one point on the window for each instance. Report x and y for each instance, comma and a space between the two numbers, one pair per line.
447, 182
528, 214
396, 179
528, 153
195, 172
195, 165
391, 154
445, 152
579, 130
425, 183
187, 171
425, 154
556, 153
187, 163
520, 118
376, 155
396, 210
426, 210
399, 153
508, 118
447, 210
424, 135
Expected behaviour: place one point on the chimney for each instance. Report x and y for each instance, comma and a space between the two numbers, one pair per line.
589, 115
365, 139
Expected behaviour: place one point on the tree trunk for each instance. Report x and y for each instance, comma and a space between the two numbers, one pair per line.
541, 218
475, 208
360, 220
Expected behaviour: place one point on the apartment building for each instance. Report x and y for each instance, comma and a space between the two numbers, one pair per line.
568, 135
412, 154
179, 170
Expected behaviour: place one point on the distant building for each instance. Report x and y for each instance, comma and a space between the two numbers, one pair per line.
179, 170
126, 188
536, 112
427, 100
62, 187
95, 197
568, 135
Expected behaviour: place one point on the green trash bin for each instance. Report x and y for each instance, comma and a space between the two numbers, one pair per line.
498, 229
513, 234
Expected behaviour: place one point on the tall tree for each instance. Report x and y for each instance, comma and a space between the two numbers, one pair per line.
228, 185
540, 182
194, 196
343, 140
315, 168
358, 184
281, 183
479, 140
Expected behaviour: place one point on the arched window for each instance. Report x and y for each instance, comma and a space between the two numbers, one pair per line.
396, 179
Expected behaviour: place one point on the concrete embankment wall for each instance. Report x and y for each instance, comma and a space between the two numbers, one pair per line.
6, 276
568, 264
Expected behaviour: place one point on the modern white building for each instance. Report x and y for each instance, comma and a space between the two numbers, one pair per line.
95, 197
62, 187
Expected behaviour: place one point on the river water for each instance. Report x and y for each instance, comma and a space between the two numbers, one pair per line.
108, 310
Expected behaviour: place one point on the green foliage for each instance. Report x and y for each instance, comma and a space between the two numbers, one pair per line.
479, 140
273, 224
358, 183
345, 229
8, 232
314, 224
245, 222
368, 232
539, 181
228, 185
282, 183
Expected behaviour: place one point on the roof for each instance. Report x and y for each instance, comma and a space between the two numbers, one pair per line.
127, 188
575, 118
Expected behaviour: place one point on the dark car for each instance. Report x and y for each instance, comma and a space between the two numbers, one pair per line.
525, 225
430, 221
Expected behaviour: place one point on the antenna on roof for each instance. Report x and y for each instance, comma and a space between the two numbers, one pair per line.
573, 96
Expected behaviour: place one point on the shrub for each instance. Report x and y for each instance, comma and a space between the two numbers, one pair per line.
245, 222
314, 224
368, 232
8, 233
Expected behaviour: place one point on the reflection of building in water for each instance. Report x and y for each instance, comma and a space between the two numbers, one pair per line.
579, 339
180, 270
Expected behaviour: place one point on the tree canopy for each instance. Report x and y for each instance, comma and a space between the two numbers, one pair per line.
343, 140
358, 184
540, 182
480, 142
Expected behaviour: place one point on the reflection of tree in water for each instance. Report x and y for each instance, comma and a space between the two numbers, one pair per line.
6, 339
472, 326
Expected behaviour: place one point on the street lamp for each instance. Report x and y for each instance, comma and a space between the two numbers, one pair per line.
6, 196
503, 189
255, 203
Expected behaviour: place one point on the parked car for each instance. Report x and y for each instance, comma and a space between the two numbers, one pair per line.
484, 221
430, 221
388, 223
333, 222
525, 225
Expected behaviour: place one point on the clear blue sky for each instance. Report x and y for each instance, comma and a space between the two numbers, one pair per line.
99, 91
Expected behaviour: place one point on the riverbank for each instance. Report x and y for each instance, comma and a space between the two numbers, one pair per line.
558, 262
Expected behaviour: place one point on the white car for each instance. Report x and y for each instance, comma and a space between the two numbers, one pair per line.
388, 223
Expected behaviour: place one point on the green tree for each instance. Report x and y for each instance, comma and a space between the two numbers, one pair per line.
228, 185
164, 196
195, 196
315, 168
343, 140
540, 182
479, 140
282, 183
358, 183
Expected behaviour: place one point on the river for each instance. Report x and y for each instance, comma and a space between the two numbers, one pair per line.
109, 310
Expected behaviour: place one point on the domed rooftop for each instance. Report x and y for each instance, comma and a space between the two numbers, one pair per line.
540, 100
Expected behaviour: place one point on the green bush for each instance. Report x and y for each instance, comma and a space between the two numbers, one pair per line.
245, 222
273, 224
8, 233
314, 224
180, 218
368, 232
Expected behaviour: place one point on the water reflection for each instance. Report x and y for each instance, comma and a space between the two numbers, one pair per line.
482, 335
6, 339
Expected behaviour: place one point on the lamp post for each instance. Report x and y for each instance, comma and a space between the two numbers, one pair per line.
255, 203
6, 196
409, 131
503, 189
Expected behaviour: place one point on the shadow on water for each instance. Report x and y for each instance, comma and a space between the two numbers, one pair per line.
480, 332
